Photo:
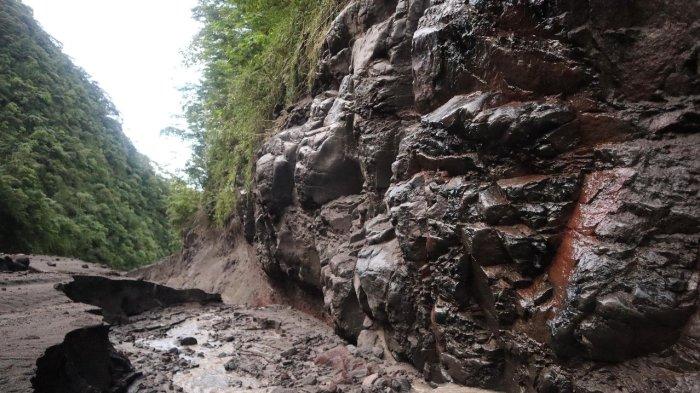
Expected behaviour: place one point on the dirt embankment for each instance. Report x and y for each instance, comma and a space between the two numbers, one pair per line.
53, 335
223, 262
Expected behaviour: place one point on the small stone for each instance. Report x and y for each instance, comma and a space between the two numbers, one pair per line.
231, 365
401, 384
188, 341
22, 259
380, 382
266, 323
308, 380
369, 380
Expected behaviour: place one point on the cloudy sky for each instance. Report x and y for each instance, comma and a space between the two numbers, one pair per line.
133, 49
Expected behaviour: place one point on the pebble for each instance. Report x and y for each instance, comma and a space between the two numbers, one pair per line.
231, 365
188, 341
308, 380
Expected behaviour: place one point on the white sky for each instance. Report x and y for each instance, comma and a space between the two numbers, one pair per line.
133, 50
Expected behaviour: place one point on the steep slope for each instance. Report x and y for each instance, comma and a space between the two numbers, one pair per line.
71, 183
507, 190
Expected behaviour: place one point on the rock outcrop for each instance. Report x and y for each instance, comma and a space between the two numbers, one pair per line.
506, 190
14, 263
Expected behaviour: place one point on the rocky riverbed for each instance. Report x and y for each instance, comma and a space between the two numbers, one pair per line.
221, 348
160, 339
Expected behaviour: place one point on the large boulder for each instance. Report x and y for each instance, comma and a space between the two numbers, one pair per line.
374, 270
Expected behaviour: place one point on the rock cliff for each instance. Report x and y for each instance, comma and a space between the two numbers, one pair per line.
507, 190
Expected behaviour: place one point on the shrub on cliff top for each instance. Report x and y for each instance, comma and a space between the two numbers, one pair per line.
257, 55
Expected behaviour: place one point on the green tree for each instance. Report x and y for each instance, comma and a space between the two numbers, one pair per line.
183, 204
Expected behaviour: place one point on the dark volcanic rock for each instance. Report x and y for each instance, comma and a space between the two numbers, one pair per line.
188, 341
86, 362
121, 298
508, 190
15, 263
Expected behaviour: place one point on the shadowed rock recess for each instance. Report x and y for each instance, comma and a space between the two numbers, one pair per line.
120, 298
84, 362
508, 190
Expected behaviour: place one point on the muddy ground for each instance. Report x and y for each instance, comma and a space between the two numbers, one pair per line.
35, 316
193, 347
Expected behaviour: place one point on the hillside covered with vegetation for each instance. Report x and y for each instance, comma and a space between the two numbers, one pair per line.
257, 56
71, 183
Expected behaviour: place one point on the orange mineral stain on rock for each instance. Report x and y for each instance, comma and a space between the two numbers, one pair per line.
601, 195
563, 265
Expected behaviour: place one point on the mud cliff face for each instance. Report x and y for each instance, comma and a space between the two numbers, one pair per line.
507, 189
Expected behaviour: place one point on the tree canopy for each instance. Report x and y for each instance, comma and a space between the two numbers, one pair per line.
71, 183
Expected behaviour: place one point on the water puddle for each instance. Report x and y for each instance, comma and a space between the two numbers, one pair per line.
209, 356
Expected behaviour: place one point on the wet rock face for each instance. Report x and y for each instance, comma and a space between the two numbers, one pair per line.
84, 362
120, 298
507, 189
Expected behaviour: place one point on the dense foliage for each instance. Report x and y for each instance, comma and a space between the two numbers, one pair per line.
71, 183
257, 55
183, 205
